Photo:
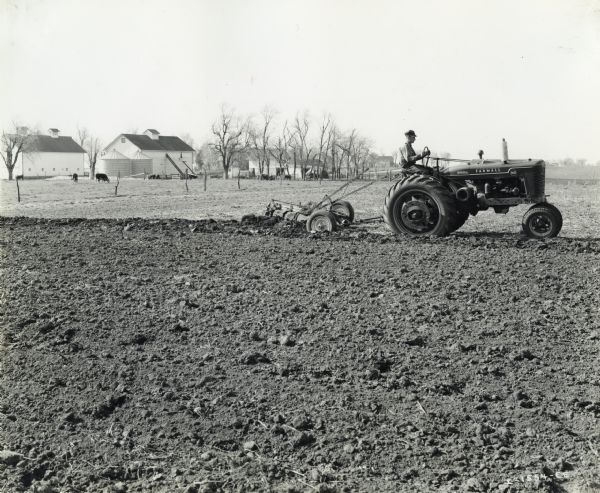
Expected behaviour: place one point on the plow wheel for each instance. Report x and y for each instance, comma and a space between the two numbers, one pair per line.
420, 206
320, 221
542, 221
343, 210
289, 215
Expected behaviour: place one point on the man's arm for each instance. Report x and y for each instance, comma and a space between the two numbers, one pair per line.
405, 156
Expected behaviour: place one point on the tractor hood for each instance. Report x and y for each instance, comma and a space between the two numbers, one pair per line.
492, 167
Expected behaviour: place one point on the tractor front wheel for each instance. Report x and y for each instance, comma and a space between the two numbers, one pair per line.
542, 221
421, 206
557, 212
320, 221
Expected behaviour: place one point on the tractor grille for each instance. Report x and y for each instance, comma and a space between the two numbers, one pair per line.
539, 180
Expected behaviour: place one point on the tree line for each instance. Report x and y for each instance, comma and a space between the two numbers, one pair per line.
300, 146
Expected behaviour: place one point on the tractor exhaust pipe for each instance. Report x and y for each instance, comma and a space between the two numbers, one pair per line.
464, 194
504, 150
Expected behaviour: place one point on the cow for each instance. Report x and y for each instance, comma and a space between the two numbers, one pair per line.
102, 177
19, 177
287, 177
74, 177
154, 177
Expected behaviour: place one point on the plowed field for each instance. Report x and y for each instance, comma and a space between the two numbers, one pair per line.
208, 355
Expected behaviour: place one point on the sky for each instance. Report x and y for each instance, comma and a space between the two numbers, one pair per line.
462, 73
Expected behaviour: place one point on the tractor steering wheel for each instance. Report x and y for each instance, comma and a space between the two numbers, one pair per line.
426, 149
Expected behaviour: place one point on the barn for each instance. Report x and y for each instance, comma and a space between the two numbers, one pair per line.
168, 155
49, 155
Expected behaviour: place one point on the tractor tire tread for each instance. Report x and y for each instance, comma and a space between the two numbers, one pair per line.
430, 185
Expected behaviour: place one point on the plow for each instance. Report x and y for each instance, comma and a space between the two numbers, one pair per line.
332, 212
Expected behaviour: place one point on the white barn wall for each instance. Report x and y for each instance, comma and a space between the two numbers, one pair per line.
162, 166
49, 164
253, 166
126, 148
141, 166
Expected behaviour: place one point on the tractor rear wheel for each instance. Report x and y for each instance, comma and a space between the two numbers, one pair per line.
461, 219
320, 221
343, 210
421, 206
542, 221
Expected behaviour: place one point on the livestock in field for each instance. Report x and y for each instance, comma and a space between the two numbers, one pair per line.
102, 177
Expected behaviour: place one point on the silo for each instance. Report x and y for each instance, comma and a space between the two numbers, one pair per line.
113, 163
141, 164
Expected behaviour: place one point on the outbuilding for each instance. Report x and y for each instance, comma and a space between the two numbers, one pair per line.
167, 154
49, 155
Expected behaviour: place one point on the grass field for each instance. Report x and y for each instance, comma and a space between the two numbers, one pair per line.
61, 198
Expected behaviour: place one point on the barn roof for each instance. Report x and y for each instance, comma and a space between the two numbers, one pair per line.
45, 143
164, 143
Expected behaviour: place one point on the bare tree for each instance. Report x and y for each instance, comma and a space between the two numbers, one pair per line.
293, 146
82, 135
91, 145
280, 151
324, 143
199, 161
346, 145
360, 155
259, 141
189, 140
230, 138
336, 153
207, 158
14, 144
302, 149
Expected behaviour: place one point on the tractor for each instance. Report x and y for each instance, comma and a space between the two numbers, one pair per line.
437, 204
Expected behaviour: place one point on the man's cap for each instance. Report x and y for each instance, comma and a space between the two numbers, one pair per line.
410, 132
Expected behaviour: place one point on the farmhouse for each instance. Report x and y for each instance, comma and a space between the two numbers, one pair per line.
381, 162
150, 153
49, 155
272, 167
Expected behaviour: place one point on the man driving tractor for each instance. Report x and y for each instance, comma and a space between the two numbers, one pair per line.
409, 158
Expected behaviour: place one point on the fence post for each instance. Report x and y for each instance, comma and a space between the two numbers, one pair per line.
205, 180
